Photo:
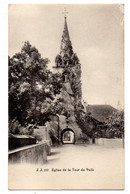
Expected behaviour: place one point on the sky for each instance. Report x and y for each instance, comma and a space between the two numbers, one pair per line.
96, 33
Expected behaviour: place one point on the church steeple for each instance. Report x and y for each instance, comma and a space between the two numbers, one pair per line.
66, 46
66, 28
67, 64
66, 55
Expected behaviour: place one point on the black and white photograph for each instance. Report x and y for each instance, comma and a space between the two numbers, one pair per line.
66, 97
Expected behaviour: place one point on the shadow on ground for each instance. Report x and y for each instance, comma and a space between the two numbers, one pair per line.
54, 153
52, 160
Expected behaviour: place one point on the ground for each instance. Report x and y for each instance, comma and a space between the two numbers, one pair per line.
98, 166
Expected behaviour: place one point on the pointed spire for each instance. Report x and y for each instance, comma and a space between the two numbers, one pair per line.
66, 47
66, 29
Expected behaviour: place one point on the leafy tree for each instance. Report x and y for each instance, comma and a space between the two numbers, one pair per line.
32, 87
115, 124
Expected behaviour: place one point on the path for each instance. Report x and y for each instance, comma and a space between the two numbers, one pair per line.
74, 166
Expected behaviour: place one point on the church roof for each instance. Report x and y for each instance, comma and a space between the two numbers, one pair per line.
100, 112
66, 29
66, 47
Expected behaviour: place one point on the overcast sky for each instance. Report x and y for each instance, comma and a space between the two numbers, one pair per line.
96, 33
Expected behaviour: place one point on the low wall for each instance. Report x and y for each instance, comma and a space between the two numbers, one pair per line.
15, 143
109, 142
30, 154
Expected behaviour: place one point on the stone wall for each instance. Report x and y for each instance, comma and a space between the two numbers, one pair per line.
30, 154
15, 143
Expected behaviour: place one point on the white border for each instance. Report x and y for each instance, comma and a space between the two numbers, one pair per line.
63, 1
4, 87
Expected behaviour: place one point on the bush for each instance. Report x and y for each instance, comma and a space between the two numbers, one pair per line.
14, 126
38, 138
82, 139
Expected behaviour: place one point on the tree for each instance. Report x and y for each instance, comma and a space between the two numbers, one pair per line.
32, 87
115, 124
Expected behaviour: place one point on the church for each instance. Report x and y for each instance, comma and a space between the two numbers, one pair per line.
70, 98
76, 118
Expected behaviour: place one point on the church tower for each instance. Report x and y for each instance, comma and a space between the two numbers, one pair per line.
68, 66
67, 63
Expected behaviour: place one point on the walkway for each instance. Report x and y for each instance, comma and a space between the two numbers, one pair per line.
74, 166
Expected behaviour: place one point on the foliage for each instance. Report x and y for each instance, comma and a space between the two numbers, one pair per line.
58, 60
74, 59
32, 87
82, 139
74, 76
115, 124
72, 72
38, 138
55, 83
14, 126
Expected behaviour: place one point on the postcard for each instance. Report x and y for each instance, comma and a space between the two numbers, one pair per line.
66, 96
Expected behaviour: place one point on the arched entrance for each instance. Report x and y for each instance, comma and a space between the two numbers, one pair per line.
68, 136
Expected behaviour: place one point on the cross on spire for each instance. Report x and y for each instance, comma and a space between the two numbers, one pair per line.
65, 12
